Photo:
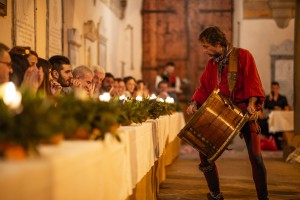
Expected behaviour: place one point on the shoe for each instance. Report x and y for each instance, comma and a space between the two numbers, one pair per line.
218, 197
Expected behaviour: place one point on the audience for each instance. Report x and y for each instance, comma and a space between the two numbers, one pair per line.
107, 83
275, 101
164, 92
62, 73
26, 72
115, 90
99, 75
84, 75
169, 76
130, 84
33, 76
55, 76
121, 87
5, 64
142, 89
50, 86
19, 65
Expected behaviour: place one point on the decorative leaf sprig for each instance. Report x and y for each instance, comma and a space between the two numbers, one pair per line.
40, 118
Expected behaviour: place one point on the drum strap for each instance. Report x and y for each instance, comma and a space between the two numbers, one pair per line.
233, 69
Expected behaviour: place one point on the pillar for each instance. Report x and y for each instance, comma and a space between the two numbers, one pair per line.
297, 70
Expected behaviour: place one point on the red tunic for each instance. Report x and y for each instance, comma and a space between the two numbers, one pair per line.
248, 83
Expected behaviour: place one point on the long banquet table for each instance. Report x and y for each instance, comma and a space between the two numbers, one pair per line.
92, 170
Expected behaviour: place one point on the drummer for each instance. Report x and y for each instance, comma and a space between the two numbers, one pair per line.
246, 92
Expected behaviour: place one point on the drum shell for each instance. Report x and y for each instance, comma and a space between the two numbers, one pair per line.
214, 125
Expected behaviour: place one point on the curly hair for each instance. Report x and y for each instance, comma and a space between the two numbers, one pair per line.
214, 36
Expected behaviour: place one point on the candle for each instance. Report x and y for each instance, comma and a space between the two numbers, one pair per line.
139, 98
105, 97
122, 97
153, 96
169, 100
160, 99
11, 97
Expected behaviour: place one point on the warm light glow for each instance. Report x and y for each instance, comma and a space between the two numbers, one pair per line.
153, 96
169, 100
160, 99
139, 98
105, 97
11, 97
122, 97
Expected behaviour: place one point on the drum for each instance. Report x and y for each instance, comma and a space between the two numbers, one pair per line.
214, 125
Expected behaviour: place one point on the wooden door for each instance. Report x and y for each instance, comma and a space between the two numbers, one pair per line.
170, 33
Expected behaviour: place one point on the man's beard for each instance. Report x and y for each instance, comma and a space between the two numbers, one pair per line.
107, 88
63, 82
215, 55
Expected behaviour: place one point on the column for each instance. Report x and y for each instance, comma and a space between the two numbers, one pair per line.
297, 69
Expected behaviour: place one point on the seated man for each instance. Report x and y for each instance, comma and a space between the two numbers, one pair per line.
169, 76
174, 82
99, 75
107, 83
163, 91
84, 75
276, 101
62, 73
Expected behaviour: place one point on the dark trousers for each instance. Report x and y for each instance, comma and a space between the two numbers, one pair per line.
251, 137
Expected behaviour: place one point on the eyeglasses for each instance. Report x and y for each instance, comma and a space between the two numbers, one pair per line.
7, 63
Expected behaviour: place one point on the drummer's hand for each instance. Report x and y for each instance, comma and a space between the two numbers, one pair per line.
191, 109
252, 112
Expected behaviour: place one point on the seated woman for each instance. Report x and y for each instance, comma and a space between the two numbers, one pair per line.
49, 85
142, 89
130, 84
26, 71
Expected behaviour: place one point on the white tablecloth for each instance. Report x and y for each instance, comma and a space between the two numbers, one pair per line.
281, 121
90, 170
30, 179
139, 150
73, 170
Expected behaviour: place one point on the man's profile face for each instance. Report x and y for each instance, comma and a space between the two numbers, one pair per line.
212, 51
98, 78
65, 75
